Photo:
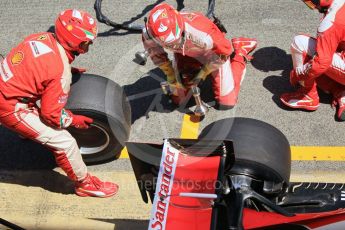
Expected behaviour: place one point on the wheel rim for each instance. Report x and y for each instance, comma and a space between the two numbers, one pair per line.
87, 142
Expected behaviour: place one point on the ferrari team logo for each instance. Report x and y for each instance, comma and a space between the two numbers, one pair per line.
42, 37
17, 58
164, 14
190, 17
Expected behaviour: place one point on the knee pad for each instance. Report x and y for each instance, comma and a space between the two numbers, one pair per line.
302, 48
223, 107
303, 44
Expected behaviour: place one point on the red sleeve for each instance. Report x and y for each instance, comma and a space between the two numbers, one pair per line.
222, 46
156, 52
53, 101
326, 45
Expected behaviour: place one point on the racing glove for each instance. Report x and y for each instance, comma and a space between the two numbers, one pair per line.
168, 70
300, 74
303, 70
203, 73
81, 122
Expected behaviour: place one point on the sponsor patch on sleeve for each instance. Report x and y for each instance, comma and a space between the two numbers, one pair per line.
5, 72
63, 99
65, 119
39, 48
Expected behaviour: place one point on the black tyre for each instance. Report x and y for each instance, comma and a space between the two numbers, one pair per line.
262, 152
104, 101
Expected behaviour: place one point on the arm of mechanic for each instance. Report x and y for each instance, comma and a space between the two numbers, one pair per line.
53, 101
219, 54
326, 45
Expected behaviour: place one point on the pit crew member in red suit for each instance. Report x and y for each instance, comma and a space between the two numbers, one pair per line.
319, 62
199, 49
35, 80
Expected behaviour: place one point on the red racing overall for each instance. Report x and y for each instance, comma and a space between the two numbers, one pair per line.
35, 82
204, 44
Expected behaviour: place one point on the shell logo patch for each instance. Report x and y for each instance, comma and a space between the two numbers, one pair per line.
69, 27
17, 58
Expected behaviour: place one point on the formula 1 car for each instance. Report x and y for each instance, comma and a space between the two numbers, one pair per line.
234, 176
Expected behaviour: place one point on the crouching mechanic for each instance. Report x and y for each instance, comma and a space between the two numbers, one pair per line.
39, 69
200, 49
319, 62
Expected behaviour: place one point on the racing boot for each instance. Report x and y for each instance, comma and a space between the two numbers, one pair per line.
339, 102
244, 46
303, 98
94, 187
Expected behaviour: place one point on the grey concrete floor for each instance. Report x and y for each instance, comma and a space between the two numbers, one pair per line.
272, 22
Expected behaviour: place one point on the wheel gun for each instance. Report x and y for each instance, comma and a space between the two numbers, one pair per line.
201, 108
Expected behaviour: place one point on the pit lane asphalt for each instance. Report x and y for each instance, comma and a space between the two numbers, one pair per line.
272, 22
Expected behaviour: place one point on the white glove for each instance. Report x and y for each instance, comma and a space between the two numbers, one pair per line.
338, 62
302, 70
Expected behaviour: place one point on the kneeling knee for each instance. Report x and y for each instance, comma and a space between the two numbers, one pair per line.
220, 106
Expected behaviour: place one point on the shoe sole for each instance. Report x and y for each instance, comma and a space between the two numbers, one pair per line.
86, 194
309, 108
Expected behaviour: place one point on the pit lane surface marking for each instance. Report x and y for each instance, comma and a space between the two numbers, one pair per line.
318, 153
190, 128
124, 153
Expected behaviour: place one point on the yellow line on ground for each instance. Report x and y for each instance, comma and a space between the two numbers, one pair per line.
190, 130
124, 153
190, 127
318, 153
298, 153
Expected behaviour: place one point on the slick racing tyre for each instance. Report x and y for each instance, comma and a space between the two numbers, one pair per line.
104, 101
262, 152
